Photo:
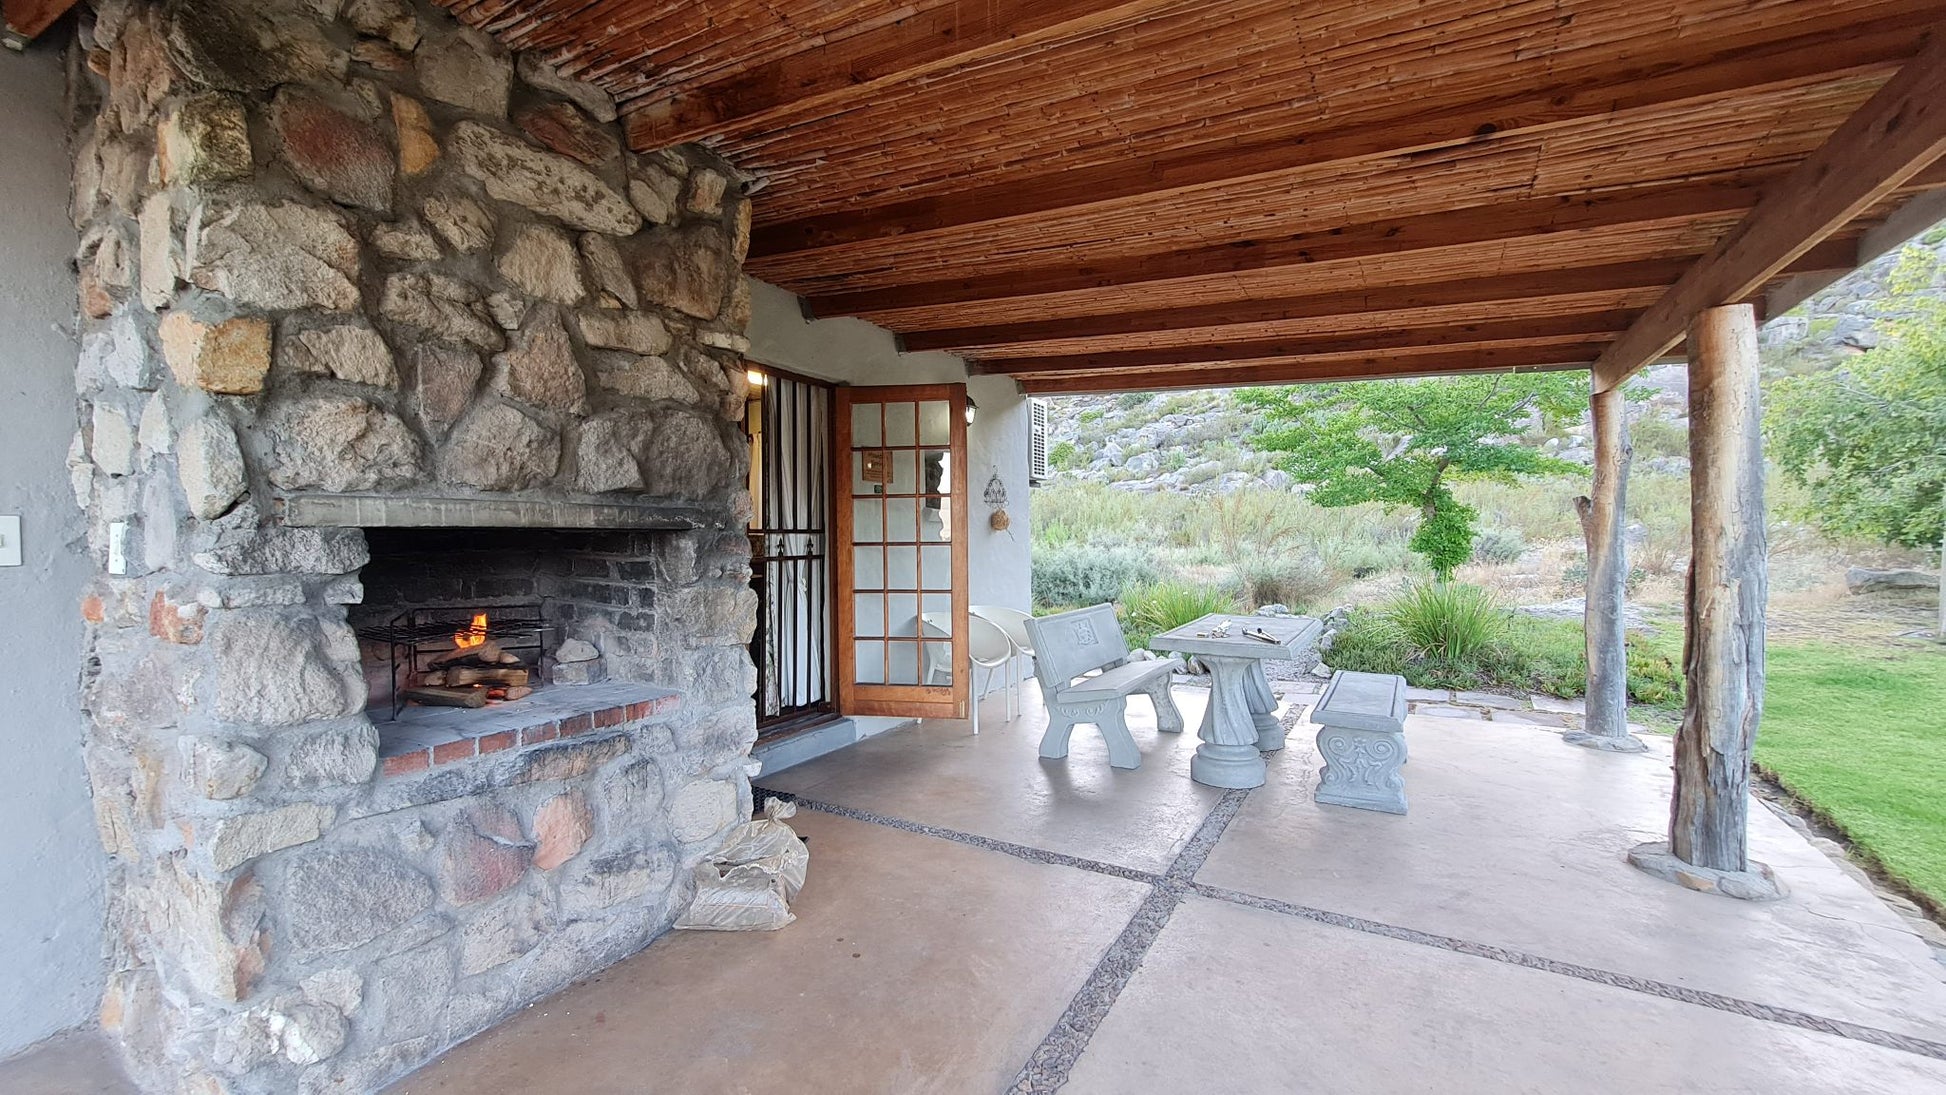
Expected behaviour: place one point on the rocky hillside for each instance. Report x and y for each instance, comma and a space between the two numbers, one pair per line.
1198, 442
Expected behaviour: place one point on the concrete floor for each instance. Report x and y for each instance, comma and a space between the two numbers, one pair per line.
978, 919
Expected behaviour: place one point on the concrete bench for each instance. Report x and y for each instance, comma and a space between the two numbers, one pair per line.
1068, 645
1361, 734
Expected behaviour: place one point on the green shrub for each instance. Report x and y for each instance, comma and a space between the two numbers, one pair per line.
1150, 610
1654, 436
1447, 620
1092, 414
1530, 655
1296, 582
1499, 545
1064, 456
1128, 401
1088, 575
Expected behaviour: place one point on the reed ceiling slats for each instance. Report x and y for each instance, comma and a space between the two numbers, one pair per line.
1140, 192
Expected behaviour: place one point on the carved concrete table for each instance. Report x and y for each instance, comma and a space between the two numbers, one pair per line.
1240, 724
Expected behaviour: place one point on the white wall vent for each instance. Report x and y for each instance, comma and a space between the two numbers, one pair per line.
1037, 442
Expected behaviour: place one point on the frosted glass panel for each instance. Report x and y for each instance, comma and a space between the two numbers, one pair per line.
940, 605
935, 422
868, 614
864, 425
871, 662
900, 427
867, 521
902, 613
868, 568
901, 568
937, 560
905, 664
902, 520
940, 654
905, 474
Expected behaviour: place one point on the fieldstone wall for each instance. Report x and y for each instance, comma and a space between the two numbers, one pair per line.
345, 246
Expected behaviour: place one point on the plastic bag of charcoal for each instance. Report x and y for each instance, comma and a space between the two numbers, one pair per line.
748, 884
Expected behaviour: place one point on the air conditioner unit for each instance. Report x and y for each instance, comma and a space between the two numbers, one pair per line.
1037, 442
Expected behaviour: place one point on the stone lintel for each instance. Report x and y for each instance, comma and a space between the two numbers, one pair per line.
369, 511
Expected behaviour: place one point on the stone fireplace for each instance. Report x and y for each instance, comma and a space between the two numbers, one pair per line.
378, 320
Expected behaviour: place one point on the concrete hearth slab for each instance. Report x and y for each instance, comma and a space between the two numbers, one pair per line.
1517, 841
1295, 1006
914, 964
995, 785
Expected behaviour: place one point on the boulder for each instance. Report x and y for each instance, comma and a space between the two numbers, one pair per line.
538, 73
338, 443
337, 899
462, 222
444, 379
609, 457
347, 352
542, 262
279, 256
446, 307
468, 70
540, 369
686, 270
565, 129
499, 448
209, 464
333, 153
551, 185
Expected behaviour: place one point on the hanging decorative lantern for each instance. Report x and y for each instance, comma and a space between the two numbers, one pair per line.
996, 493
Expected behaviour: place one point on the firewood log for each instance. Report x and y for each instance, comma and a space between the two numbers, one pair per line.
458, 676
448, 697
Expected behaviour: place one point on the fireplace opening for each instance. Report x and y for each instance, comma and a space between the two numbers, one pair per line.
476, 640
458, 657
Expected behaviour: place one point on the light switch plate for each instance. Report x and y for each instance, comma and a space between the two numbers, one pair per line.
118, 547
10, 540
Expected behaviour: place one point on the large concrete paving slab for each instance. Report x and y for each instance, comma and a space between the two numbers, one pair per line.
79, 1063
1237, 999
1517, 840
995, 784
915, 965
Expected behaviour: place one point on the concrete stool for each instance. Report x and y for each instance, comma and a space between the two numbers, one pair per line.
1361, 734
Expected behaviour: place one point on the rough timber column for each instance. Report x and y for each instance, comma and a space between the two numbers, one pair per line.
1606, 725
1723, 645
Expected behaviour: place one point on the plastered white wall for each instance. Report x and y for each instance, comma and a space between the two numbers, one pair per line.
851, 351
50, 860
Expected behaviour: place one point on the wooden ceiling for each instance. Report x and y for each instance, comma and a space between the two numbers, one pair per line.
1093, 195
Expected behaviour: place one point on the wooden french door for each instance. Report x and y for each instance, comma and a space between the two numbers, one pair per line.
900, 467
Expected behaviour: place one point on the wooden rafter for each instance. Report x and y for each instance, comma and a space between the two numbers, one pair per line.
850, 67
1554, 330
1613, 277
1896, 134
1635, 85
1320, 370
1480, 224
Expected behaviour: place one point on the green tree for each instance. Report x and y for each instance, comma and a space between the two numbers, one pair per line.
1405, 442
1868, 439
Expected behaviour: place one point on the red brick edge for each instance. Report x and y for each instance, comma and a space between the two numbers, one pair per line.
465, 749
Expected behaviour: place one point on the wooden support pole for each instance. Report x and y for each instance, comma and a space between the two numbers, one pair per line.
1723, 642
1605, 725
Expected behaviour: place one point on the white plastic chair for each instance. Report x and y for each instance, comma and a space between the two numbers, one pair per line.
987, 647
1014, 622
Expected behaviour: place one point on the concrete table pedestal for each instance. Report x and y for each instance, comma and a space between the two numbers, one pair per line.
1361, 735
1240, 724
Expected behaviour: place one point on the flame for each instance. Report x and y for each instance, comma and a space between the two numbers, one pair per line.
472, 636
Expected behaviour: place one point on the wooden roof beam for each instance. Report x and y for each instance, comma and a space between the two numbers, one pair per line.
1729, 68
1525, 286
1613, 277
1920, 212
1895, 135
954, 33
1475, 225
1555, 330
1318, 371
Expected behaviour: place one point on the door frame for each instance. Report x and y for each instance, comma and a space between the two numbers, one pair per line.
916, 700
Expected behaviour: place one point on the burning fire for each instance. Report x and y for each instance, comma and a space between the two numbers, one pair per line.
472, 636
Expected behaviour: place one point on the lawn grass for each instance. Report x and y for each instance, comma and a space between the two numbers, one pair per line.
1859, 733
